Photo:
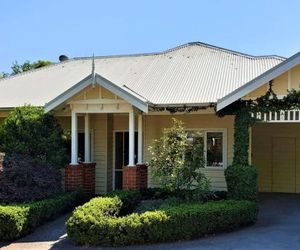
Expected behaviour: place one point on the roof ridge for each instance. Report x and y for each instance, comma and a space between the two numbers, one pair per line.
225, 50
183, 46
146, 54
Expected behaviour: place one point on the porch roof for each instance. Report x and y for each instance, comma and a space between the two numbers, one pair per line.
121, 91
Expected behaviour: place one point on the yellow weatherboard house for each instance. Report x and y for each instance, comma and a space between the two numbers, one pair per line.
114, 106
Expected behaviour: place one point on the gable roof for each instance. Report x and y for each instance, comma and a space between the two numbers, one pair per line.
194, 73
126, 94
259, 81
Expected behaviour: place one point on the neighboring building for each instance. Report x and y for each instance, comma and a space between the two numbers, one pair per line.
116, 107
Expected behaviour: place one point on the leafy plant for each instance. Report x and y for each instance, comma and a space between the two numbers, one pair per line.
20, 219
241, 182
30, 131
23, 179
97, 222
174, 164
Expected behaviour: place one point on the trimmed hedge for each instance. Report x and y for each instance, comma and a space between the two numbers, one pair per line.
20, 219
97, 222
242, 182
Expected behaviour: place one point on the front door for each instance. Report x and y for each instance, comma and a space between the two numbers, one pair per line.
121, 155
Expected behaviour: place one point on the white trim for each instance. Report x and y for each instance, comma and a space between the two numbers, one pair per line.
131, 139
74, 139
68, 94
87, 143
259, 81
289, 80
122, 92
140, 139
225, 153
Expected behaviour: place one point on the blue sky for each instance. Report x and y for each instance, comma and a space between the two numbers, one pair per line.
32, 30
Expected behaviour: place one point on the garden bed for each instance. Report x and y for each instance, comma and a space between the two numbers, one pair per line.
110, 221
17, 220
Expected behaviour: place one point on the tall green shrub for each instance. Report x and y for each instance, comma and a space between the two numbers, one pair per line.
241, 182
30, 131
174, 164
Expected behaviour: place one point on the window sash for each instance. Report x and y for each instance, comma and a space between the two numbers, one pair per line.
224, 141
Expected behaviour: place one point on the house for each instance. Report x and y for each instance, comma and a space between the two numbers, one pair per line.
115, 106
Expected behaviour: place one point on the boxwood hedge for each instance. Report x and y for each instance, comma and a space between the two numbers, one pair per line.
97, 222
17, 220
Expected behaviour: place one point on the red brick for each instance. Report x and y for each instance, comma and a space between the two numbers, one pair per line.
135, 177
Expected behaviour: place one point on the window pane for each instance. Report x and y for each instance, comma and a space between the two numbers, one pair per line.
214, 149
194, 153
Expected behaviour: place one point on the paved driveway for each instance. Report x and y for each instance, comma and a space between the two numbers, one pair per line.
278, 227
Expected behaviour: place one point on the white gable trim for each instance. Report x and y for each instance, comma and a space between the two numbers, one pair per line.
259, 81
131, 98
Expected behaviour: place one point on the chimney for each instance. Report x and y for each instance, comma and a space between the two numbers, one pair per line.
63, 58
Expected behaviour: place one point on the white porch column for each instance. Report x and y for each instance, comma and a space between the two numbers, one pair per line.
74, 139
87, 144
131, 138
140, 139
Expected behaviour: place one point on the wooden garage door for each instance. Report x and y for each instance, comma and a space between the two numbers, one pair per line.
284, 164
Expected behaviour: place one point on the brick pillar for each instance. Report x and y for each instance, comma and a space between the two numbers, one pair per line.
89, 177
135, 177
73, 177
81, 175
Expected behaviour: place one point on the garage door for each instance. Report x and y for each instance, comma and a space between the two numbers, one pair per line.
276, 154
285, 164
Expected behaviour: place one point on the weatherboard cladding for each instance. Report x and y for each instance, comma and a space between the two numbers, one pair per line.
194, 73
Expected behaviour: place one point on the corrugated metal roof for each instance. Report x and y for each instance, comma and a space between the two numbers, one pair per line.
193, 73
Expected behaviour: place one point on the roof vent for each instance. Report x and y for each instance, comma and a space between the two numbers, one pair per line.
63, 58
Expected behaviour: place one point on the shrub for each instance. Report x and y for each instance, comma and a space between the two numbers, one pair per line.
241, 182
175, 164
23, 179
17, 220
30, 131
97, 223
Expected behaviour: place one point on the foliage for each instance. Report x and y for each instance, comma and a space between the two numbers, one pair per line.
241, 182
27, 66
174, 164
242, 122
3, 75
30, 131
242, 109
97, 222
24, 179
17, 220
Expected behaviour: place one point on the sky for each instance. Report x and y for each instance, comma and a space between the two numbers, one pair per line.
34, 29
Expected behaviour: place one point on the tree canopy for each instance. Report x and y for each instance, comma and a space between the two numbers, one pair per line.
26, 66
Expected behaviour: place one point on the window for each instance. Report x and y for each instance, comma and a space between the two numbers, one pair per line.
212, 143
214, 149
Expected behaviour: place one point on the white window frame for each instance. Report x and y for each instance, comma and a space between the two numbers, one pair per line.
224, 146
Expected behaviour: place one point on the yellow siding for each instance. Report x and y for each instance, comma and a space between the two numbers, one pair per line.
99, 126
280, 84
153, 129
295, 77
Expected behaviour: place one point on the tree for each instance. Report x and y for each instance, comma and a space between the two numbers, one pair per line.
30, 131
3, 75
175, 164
26, 66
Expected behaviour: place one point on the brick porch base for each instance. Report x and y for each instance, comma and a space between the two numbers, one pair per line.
81, 175
135, 177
